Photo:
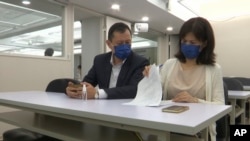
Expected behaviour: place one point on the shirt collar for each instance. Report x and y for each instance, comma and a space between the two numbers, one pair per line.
111, 60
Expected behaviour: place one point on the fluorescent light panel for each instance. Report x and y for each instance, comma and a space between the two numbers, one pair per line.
217, 10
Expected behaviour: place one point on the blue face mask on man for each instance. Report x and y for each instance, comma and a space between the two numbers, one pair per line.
190, 51
122, 51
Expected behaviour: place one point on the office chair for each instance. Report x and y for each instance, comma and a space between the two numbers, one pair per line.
243, 80
222, 125
246, 82
21, 134
233, 84
59, 85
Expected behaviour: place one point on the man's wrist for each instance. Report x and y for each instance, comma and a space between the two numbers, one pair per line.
97, 94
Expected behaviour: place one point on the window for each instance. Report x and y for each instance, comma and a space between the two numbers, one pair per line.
31, 30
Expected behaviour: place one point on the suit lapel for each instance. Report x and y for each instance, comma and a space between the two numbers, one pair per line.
124, 70
107, 72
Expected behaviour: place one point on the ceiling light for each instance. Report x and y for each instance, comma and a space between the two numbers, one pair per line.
115, 7
169, 28
26, 2
145, 18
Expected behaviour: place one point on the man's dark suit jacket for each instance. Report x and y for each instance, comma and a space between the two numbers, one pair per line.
129, 76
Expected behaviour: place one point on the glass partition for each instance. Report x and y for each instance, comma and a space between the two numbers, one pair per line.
30, 30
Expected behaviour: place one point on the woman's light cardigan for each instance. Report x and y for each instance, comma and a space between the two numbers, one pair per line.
214, 86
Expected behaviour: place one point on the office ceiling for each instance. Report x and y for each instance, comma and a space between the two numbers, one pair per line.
159, 19
133, 11
15, 21
25, 21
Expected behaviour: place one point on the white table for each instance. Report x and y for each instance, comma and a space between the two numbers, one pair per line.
61, 116
242, 96
246, 88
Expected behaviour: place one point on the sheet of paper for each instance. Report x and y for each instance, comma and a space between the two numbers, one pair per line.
149, 91
166, 102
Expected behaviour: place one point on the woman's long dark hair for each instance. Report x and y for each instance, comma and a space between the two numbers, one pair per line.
203, 31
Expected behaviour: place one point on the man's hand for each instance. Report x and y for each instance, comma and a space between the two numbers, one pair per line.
91, 91
74, 91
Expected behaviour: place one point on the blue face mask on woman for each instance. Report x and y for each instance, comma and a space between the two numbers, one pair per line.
190, 51
122, 51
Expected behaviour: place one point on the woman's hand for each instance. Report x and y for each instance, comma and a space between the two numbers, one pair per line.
185, 97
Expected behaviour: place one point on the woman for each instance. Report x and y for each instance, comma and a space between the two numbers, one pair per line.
193, 76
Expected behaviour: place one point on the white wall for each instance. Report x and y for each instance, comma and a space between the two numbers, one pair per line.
24, 73
92, 41
174, 45
233, 46
163, 49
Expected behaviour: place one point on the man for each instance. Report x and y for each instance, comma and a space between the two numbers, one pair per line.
116, 73
49, 52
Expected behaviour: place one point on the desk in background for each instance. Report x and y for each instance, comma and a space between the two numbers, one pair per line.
246, 88
242, 97
56, 115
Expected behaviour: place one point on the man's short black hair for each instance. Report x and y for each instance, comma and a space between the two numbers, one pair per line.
49, 52
117, 27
